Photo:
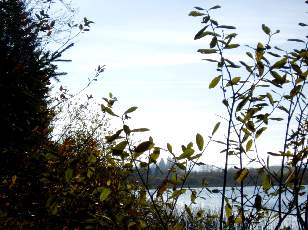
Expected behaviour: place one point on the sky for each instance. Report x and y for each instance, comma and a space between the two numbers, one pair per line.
152, 63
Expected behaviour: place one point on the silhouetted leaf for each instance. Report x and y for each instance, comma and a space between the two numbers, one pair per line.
266, 29
260, 131
140, 130
248, 145
213, 42
279, 64
144, 146
215, 128
207, 51
227, 27
201, 33
131, 109
296, 40
215, 7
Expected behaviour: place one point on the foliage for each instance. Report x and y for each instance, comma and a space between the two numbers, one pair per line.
273, 89
85, 175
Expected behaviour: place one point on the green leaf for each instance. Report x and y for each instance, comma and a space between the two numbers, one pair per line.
232, 46
227, 27
181, 166
235, 80
193, 197
131, 109
249, 55
198, 8
266, 29
241, 104
213, 42
270, 98
195, 13
215, 128
114, 136
155, 154
215, 7
169, 147
248, 145
260, 131
260, 67
200, 141
108, 110
201, 33
207, 51
296, 40
187, 153
241, 175
144, 146
126, 129
279, 64
266, 183
295, 90
104, 194
228, 209
68, 174
214, 82
140, 130
177, 193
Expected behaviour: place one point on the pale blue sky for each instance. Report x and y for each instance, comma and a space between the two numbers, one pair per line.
151, 59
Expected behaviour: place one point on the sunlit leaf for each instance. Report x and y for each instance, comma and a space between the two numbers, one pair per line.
266, 183
259, 52
195, 13
248, 145
228, 209
193, 197
214, 82
232, 46
200, 141
169, 147
241, 175
104, 194
155, 154
177, 193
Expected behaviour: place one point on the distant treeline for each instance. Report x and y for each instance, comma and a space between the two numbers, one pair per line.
213, 177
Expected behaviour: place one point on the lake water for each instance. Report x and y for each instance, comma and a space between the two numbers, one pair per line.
211, 202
